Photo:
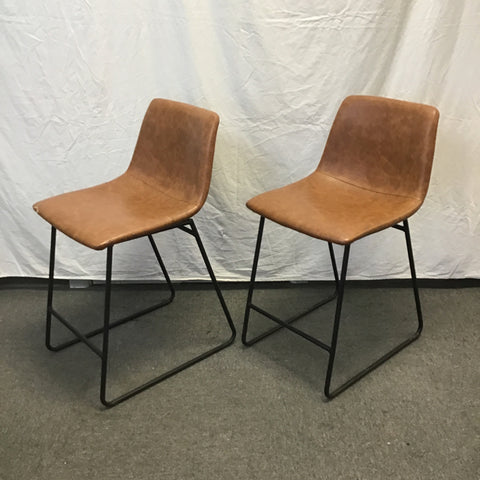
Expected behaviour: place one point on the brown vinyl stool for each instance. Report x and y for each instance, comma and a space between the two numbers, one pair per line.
373, 174
166, 184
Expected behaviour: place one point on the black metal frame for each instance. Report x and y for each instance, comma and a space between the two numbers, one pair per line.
187, 226
338, 294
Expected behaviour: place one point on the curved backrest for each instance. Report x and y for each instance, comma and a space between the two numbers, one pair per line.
382, 144
175, 148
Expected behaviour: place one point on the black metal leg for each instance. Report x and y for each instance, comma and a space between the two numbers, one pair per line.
107, 325
280, 323
334, 263
252, 281
106, 328
340, 289
110, 403
414, 278
331, 394
48, 329
215, 285
336, 324
164, 270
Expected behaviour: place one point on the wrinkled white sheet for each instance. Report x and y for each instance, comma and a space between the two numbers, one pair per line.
77, 78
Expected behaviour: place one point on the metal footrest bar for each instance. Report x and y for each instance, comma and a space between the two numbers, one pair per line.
287, 324
282, 323
116, 323
80, 337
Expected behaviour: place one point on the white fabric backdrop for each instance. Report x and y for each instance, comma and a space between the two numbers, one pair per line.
77, 78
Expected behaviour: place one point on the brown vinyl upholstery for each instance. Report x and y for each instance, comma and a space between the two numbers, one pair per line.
374, 172
167, 181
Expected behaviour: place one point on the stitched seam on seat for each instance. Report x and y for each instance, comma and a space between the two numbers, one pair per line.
369, 189
156, 188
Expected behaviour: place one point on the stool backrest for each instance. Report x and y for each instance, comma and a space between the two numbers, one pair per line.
383, 145
175, 148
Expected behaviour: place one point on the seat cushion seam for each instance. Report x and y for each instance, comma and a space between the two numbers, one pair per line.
368, 189
157, 190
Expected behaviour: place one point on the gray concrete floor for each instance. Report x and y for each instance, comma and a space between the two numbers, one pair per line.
246, 413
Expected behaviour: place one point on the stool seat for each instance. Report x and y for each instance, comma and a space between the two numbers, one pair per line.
331, 209
113, 212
